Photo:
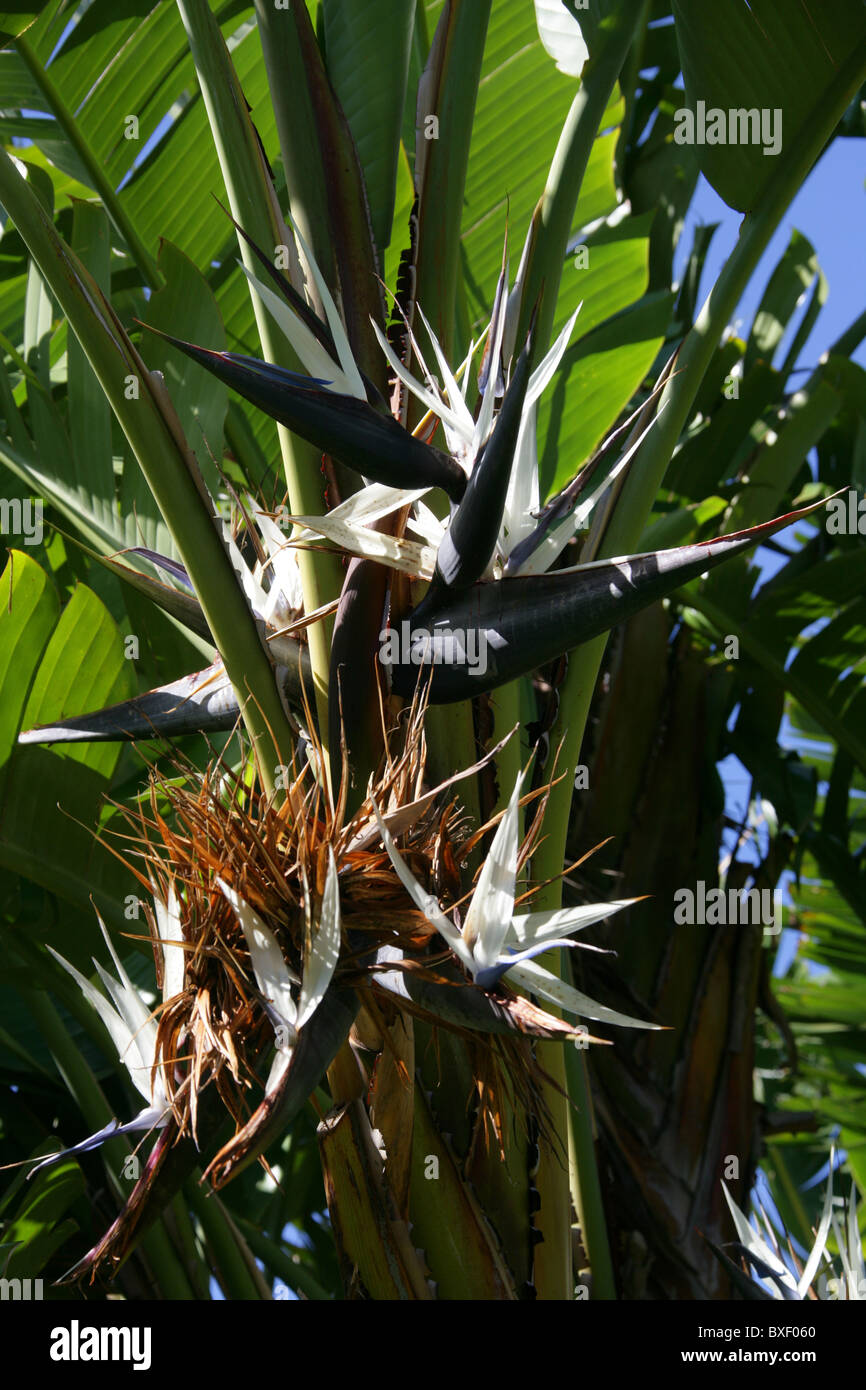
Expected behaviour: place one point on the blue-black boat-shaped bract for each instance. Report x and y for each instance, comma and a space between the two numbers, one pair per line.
350, 430
489, 634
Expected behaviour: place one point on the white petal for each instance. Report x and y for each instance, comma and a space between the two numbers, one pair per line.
400, 554
749, 1237
317, 361
561, 36
135, 1013
488, 400
170, 930
541, 982
118, 1028
325, 948
530, 927
273, 976
522, 498
427, 525
335, 323
285, 572
855, 1247
255, 594
455, 395
432, 402
153, 1117
425, 902
546, 369
558, 537
492, 906
139, 1055
374, 501
820, 1245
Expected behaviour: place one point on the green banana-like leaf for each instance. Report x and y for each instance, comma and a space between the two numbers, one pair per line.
15, 19
794, 57
367, 58
49, 665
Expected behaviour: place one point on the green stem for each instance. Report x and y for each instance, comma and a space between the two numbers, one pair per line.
290, 1268
459, 48
236, 1269
297, 132
505, 707
144, 411
552, 223
457, 52
95, 171
253, 206
451, 746
554, 214
586, 1186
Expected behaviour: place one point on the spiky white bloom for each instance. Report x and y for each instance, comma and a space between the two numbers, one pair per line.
132, 1026
277, 981
494, 941
273, 586
348, 524
781, 1278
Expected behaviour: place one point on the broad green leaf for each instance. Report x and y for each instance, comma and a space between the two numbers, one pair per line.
521, 89
89, 411
185, 307
47, 797
367, 57
16, 18
120, 73
597, 379
755, 55
36, 1225
792, 277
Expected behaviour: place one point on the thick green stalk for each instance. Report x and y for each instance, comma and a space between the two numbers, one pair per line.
237, 1271
455, 62
95, 171
552, 224
586, 1187
144, 412
290, 1268
648, 469
457, 52
254, 207
554, 215
297, 132
505, 708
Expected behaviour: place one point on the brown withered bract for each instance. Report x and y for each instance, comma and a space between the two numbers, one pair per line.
215, 1035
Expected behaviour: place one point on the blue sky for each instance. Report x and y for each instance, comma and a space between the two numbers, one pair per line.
830, 210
